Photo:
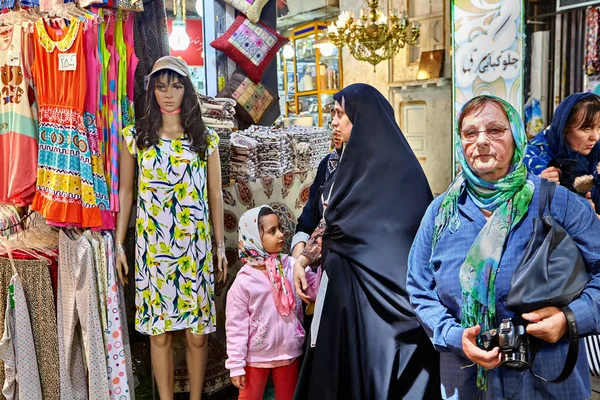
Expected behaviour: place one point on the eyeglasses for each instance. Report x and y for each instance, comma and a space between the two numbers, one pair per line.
493, 133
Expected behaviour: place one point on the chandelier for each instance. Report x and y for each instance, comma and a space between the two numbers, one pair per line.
372, 38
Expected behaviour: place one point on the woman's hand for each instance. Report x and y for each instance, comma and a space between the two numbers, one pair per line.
298, 249
487, 359
239, 381
221, 264
300, 278
548, 324
122, 268
552, 174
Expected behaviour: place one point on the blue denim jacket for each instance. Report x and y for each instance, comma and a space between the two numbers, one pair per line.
435, 294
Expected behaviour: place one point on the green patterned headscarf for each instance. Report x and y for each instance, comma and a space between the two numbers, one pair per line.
508, 198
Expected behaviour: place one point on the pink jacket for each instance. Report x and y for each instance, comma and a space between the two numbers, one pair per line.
256, 332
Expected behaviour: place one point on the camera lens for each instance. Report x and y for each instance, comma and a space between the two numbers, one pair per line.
516, 361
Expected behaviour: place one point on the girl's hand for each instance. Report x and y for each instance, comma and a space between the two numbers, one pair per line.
239, 381
221, 264
300, 278
122, 268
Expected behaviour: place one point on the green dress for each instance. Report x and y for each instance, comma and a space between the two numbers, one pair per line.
173, 271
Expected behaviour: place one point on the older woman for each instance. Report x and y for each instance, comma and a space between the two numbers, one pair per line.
569, 147
469, 244
368, 343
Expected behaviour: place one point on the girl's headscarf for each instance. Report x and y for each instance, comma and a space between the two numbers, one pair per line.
252, 253
509, 199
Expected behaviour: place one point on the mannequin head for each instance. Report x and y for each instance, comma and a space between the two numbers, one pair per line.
169, 90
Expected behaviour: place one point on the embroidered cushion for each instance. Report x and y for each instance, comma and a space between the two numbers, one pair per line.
252, 8
253, 100
252, 46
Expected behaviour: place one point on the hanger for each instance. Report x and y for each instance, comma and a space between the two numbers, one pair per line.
6, 246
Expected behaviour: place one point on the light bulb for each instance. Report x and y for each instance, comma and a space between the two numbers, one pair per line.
288, 52
179, 39
200, 8
326, 49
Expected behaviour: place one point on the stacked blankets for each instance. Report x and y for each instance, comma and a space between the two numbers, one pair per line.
218, 114
310, 145
262, 151
275, 153
244, 158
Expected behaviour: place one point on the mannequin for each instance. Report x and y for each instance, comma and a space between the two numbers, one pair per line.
179, 190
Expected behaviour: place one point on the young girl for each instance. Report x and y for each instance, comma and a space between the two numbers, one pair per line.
264, 314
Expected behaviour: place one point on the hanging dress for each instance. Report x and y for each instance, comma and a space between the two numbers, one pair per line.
90, 118
173, 272
132, 62
18, 124
65, 181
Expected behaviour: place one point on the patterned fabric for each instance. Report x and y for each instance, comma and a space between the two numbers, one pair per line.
174, 273
18, 121
332, 163
118, 353
509, 199
592, 56
252, 46
253, 100
252, 8
78, 306
99, 261
151, 43
253, 253
17, 348
538, 154
36, 281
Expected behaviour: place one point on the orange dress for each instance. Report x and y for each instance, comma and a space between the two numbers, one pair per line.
65, 181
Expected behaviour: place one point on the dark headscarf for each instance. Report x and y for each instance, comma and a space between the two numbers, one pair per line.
379, 195
557, 152
557, 143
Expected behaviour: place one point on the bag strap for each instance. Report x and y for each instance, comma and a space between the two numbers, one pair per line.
547, 190
572, 354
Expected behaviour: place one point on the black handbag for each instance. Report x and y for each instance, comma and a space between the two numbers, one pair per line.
551, 273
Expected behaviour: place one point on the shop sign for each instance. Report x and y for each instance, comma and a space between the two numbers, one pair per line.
487, 43
568, 4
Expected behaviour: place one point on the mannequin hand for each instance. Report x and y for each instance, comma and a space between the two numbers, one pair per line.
122, 268
487, 359
552, 174
300, 278
221, 267
239, 381
548, 324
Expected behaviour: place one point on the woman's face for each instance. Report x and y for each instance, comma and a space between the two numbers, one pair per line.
583, 140
489, 159
342, 127
169, 95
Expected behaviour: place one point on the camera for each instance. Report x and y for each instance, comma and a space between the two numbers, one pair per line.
513, 342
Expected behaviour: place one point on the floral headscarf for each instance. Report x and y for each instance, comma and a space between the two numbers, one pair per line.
509, 199
252, 253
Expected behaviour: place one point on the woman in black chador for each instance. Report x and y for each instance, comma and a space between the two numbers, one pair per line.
366, 342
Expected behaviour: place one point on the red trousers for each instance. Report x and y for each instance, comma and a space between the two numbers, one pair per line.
284, 380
